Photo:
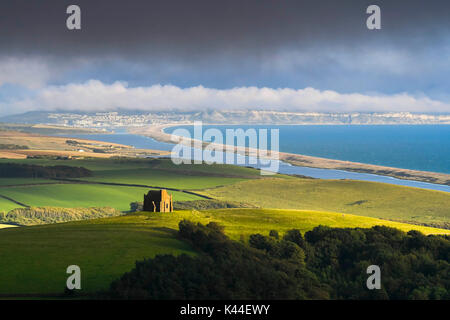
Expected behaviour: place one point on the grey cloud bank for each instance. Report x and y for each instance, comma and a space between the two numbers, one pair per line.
202, 27
95, 95
171, 52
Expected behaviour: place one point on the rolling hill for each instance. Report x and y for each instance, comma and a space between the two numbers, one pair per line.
33, 260
378, 200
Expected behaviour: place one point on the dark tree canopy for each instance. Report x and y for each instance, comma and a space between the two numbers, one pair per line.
325, 263
17, 170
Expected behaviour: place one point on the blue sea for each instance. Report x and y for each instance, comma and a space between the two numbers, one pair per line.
418, 147
411, 147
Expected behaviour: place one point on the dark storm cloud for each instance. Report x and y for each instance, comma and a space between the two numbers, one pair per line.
257, 53
197, 28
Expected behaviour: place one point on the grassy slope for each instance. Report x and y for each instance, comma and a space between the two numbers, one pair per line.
246, 221
21, 181
99, 165
6, 205
148, 176
232, 183
4, 226
34, 259
82, 195
165, 173
161, 173
355, 197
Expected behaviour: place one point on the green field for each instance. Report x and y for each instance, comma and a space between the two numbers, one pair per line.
229, 183
162, 165
6, 205
370, 199
149, 172
33, 260
82, 195
240, 222
4, 182
168, 179
4, 226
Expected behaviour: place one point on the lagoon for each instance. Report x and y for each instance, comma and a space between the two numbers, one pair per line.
415, 147
284, 168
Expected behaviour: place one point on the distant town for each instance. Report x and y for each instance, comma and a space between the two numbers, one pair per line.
109, 120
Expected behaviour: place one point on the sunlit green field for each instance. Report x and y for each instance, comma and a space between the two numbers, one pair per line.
33, 260
163, 165
82, 195
229, 183
6, 205
163, 173
371, 199
245, 221
4, 226
4, 182
148, 172
168, 179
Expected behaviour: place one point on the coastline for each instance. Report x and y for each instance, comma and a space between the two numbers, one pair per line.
157, 132
47, 145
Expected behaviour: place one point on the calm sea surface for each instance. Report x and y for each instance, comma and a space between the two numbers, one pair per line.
411, 147
419, 147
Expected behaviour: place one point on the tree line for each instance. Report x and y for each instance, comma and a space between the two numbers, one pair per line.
9, 146
325, 263
19, 170
46, 215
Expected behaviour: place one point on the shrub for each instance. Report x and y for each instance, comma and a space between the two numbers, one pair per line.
47, 215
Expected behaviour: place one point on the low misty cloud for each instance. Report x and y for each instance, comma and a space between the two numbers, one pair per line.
98, 96
27, 72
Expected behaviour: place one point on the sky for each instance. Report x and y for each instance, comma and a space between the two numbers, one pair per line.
161, 55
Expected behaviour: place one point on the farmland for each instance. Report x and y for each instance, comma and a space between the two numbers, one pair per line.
6, 205
81, 195
4, 226
23, 141
142, 172
378, 200
117, 182
34, 259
